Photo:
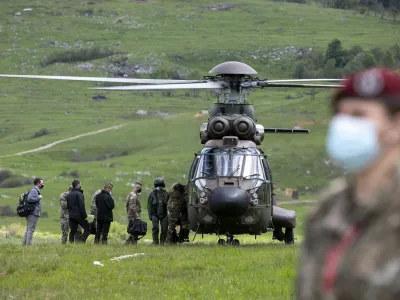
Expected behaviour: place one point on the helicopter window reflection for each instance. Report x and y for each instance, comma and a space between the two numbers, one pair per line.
230, 162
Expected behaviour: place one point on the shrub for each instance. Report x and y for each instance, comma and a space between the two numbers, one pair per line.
5, 174
78, 55
41, 132
6, 211
118, 231
15, 181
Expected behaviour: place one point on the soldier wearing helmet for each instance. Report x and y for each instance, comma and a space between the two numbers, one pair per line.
157, 207
351, 242
177, 210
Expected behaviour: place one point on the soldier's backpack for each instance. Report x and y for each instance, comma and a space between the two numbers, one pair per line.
25, 208
137, 228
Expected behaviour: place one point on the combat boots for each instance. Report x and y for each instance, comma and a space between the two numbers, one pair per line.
184, 235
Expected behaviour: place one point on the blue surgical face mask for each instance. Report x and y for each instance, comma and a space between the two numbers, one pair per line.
353, 142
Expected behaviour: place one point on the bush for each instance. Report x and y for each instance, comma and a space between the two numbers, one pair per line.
41, 132
5, 174
118, 231
338, 61
6, 211
15, 181
78, 55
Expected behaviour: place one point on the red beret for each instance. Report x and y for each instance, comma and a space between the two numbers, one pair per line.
373, 83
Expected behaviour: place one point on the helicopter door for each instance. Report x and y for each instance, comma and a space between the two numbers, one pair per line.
193, 168
268, 176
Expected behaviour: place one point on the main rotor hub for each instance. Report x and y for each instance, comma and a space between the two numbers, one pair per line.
234, 74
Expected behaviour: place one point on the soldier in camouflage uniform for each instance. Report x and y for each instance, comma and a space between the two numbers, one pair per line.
177, 208
133, 209
352, 241
64, 218
93, 208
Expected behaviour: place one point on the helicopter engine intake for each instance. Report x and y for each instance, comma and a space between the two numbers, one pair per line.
240, 126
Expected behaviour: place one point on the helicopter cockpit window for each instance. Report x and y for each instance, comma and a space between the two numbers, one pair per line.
244, 163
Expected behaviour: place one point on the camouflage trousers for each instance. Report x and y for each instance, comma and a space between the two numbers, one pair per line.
65, 230
173, 218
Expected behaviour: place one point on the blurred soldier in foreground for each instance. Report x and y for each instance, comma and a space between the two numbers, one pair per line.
133, 209
158, 213
177, 208
352, 241
64, 218
77, 212
104, 216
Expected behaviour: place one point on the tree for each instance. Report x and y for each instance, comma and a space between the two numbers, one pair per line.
330, 70
336, 52
393, 12
369, 60
354, 51
378, 9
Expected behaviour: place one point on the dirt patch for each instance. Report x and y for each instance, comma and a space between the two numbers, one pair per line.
64, 140
219, 7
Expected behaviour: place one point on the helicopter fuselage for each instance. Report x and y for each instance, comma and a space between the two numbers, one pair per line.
230, 189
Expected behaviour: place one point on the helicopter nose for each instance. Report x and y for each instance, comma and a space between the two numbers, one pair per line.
228, 201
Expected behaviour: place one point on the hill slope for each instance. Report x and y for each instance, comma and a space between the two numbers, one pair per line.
157, 39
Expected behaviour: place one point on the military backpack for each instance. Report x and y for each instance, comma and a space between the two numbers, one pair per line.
25, 208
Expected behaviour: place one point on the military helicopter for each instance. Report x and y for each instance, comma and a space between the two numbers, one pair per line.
230, 187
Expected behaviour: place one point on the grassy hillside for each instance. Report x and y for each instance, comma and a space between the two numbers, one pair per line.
186, 37
159, 38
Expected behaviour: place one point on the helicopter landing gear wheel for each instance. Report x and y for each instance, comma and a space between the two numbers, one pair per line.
235, 243
289, 236
221, 242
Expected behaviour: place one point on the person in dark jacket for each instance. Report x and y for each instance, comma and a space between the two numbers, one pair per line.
158, 212
104, 207
77, 212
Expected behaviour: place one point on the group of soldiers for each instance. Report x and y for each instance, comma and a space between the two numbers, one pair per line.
166, 210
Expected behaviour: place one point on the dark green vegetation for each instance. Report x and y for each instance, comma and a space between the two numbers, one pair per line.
158, 39
338, 62
381, 8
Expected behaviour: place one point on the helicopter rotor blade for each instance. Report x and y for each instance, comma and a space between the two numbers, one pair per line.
304, 85
104, 79
305, 80
204, 85
285, 130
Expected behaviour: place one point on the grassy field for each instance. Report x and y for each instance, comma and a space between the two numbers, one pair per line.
158, 38
258, 269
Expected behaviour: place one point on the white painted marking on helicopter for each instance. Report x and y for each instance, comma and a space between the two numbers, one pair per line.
65, 140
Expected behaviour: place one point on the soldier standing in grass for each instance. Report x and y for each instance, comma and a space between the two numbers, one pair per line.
158, 212
64, 218
93, 208
177, 207
133, 209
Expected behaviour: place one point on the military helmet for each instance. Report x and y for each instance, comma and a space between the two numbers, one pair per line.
159, 182
178, 187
